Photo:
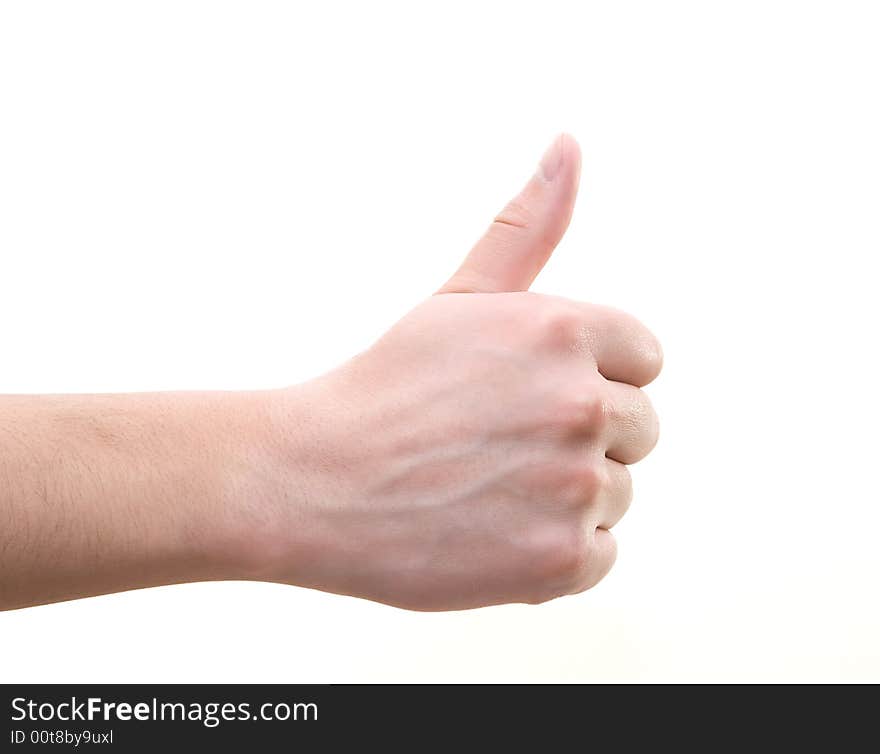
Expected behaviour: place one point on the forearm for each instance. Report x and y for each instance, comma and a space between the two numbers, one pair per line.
100, 493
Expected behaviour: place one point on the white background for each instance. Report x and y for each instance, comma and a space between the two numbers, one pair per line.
225, 195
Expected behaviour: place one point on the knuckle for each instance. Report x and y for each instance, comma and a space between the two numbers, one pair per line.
562, 562
557, 324
595, 412
601, 555
587, 410
598, 413
588, 481
557, 561
572, 560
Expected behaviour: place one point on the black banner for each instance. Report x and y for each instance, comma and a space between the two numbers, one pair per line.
268, 717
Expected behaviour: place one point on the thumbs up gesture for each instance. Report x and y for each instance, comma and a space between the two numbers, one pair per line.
477, 453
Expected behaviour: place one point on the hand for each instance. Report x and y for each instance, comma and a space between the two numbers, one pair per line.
476, 454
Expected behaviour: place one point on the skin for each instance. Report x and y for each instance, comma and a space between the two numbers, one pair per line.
476, 454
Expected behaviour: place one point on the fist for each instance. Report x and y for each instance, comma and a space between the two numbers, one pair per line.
477, 453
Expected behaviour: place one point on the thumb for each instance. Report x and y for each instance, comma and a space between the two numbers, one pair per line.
520, 240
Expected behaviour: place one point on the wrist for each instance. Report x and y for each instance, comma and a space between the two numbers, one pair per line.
282, 477
213, 461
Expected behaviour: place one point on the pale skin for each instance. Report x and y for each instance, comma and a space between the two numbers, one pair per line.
475, 455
